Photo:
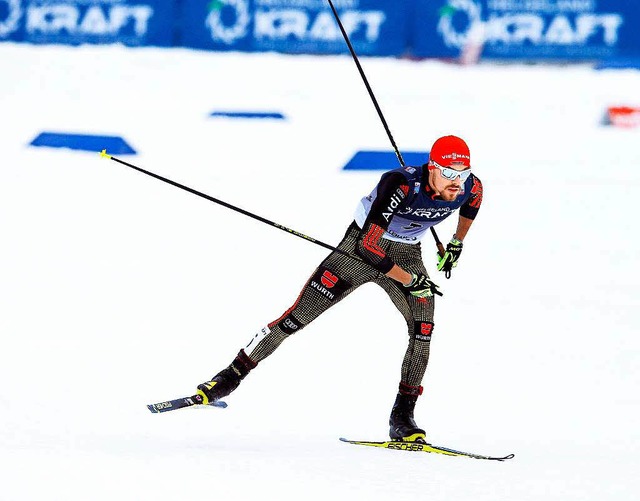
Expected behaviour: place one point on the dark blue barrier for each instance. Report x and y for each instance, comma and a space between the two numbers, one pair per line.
528, 29
375, 27
131, 22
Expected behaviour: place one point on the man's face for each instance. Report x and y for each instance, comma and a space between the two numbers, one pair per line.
447, 189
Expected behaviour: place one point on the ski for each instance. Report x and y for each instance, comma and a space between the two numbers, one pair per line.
424, 447
181, 403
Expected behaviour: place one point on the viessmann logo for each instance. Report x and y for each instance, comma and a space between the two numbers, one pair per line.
11, 21
455, 156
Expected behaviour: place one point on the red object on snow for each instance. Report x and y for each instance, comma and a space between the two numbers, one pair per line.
624, 116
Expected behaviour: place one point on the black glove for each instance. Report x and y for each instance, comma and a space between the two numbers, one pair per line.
450, 258
421, 286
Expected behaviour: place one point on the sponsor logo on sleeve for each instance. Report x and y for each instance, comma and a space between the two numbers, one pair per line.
394, 203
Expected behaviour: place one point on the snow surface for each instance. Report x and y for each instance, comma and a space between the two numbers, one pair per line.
117, 290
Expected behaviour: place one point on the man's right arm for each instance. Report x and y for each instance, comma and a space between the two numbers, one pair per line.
391, 191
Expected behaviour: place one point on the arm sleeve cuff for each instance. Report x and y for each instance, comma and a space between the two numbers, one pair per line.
385, 265
468, 211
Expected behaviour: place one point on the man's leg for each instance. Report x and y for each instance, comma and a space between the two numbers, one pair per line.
418, 314
332, 281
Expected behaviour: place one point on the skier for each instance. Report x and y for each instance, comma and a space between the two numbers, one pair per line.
383, 247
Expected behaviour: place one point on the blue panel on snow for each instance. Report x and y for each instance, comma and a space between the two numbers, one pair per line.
384, 160
115, 145
248, 114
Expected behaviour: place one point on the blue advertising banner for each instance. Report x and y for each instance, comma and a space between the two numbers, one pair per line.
527, 29
571, 30
375, 27
131, 22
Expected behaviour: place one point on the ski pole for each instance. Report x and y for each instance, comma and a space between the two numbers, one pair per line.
439, 245
104, 154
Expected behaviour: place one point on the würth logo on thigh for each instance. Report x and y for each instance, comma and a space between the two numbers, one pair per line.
328, 284
423, 331
328, 279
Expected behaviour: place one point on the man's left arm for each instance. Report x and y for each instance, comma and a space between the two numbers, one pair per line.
464, 223
468, 212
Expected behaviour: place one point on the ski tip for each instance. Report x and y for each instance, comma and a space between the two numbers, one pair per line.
152, 408
504, 458
219, 403
342, 439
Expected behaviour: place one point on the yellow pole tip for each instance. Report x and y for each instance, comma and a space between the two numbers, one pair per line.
103, 154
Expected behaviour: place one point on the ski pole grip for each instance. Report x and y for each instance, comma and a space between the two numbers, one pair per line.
439, 245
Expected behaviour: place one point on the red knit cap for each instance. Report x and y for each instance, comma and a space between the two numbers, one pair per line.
449, 151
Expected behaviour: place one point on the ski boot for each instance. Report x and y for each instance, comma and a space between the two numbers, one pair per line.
227, 380
402, 426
